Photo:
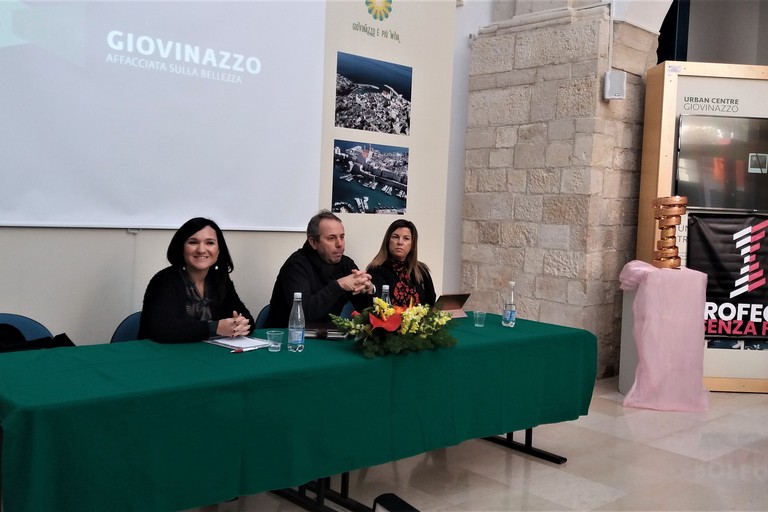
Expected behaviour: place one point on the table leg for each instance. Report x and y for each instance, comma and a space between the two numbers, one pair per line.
322, 487
322, 491
527, 446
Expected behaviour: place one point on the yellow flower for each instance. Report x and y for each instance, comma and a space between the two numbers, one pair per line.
381, 309
416, 322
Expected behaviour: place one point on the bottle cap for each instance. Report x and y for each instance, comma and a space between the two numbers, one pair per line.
511, 283
296, 295
385, 287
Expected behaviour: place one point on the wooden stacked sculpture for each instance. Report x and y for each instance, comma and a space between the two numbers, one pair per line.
667, 211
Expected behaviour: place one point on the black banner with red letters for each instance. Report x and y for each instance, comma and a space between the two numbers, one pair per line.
733, 251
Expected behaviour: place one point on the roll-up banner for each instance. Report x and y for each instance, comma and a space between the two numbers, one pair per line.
733, 251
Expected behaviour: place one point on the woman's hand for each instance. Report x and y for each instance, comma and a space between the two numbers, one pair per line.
238, 325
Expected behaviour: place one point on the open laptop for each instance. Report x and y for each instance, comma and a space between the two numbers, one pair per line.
452, 303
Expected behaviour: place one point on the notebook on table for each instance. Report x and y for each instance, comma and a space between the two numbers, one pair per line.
238, 342
453, 303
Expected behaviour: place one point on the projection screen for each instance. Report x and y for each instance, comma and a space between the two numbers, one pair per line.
144, 114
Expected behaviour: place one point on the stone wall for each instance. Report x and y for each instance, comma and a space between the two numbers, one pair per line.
552, 169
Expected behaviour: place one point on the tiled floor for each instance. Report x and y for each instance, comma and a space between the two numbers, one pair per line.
618, 459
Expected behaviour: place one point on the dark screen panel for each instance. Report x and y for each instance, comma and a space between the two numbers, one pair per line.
723, 162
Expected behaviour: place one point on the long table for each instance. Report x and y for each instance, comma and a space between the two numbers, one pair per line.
141, 426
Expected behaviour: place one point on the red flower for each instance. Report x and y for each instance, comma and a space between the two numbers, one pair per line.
391, 324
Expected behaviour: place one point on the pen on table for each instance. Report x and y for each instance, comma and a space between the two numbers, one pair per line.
238, 350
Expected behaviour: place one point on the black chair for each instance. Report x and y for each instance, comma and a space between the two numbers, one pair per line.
390, 502
31, 329
18, 332
261, 319
128, 330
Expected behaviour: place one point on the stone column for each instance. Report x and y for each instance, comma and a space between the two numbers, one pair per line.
552, 169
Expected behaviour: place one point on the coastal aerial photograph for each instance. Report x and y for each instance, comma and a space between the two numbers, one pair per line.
369, 178
373, 95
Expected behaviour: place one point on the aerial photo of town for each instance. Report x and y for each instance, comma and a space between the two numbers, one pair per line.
369, 178
373, 95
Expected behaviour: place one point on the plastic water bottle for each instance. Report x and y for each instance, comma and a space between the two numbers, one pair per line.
296, 325
510, 310
385, 294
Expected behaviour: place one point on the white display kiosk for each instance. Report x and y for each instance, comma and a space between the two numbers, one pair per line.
698, 89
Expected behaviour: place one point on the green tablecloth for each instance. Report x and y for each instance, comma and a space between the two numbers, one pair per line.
145, 426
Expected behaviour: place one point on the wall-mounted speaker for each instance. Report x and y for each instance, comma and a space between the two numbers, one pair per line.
615, 85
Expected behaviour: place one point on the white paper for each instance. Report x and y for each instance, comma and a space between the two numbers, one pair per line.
242, 342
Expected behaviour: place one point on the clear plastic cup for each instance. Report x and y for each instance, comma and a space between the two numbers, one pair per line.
275, 339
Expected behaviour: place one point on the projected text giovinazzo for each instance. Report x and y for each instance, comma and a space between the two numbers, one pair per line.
149, 48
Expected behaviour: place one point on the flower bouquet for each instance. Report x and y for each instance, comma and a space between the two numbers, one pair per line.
385, 329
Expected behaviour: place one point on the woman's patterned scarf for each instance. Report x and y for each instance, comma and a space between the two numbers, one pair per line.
404, 291
197, 307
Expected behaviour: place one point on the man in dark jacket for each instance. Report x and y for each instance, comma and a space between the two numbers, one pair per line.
325, 277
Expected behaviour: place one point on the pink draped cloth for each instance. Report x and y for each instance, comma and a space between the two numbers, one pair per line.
669, 334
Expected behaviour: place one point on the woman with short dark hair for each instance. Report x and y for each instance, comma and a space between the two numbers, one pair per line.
194, 298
